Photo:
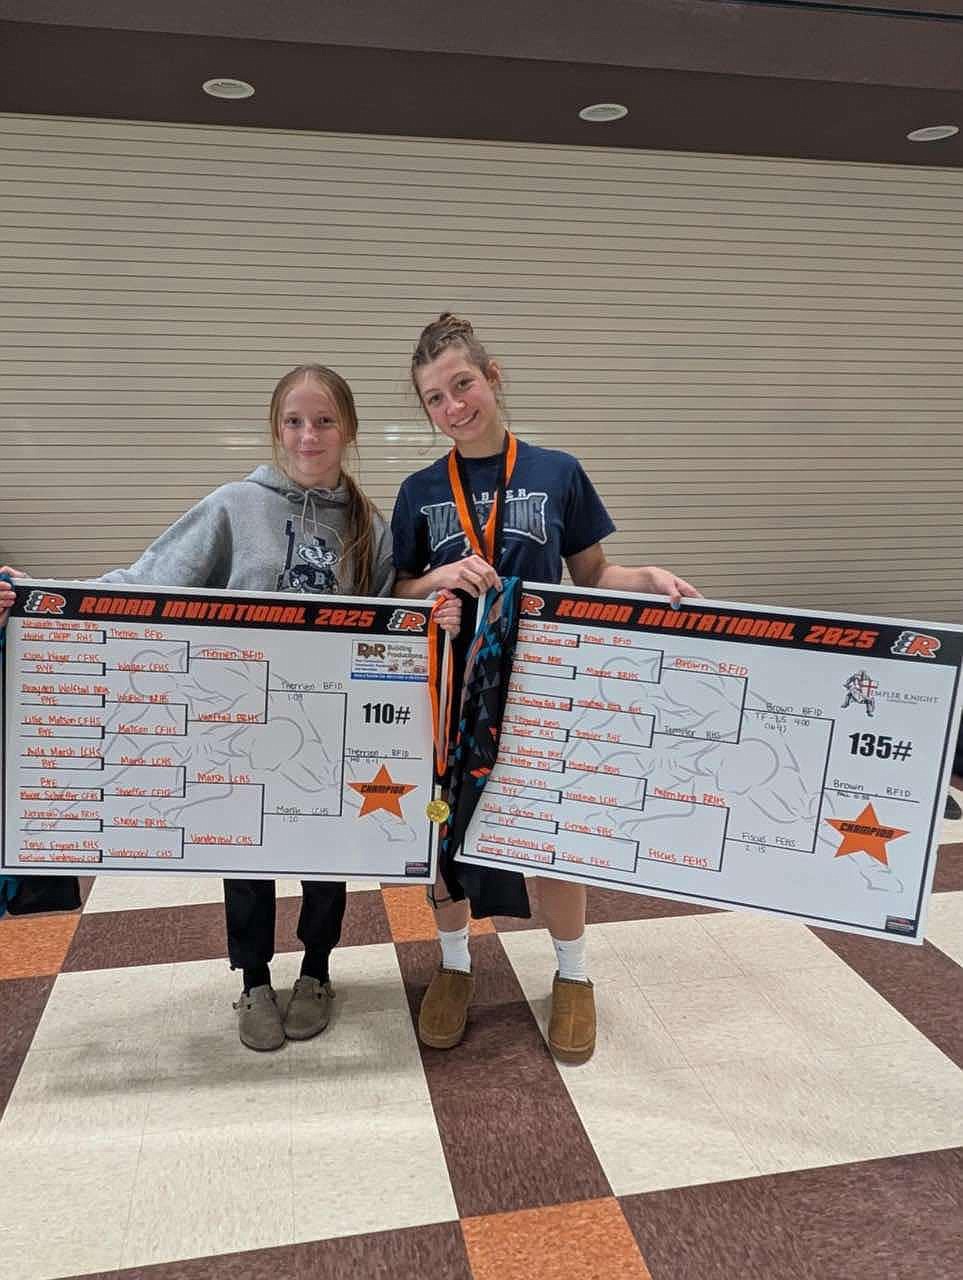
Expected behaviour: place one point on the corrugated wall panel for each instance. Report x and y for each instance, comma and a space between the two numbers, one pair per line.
756, 359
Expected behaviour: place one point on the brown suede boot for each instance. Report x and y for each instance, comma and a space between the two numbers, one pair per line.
444, 1009
571, 1031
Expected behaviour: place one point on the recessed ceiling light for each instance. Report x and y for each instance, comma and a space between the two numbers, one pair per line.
934, 133
603, 112
225, 87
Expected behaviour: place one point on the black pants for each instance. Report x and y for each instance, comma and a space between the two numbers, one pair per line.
249, 908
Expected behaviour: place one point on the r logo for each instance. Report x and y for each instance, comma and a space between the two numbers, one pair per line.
45, 602
915, 644
406, 620
532, 604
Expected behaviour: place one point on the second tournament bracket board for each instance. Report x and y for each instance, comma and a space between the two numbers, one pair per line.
195, 731
727, 755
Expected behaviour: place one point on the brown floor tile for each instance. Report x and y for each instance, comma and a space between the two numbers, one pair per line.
365, 921
117, 939
898, 1219
200, 933
511, 1135
35, 945
160, 935
949, 869
22, 1002
435, 1252
923, 983
590, 1240
256, 1264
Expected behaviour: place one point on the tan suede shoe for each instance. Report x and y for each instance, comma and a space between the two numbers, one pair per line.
444, 1009
571, 1030
309, 1009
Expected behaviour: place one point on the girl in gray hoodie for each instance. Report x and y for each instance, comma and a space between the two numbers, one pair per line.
301, 525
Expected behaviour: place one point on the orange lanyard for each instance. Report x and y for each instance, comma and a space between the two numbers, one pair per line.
482, 540
441, 676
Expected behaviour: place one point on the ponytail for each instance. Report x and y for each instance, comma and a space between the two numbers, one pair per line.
358, 553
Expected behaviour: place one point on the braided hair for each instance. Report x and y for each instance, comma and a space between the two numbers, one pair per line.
447, 331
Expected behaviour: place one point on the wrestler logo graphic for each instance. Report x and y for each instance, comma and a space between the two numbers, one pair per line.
532, 604
45, 602
915, 644
406, 620
865, 834
382, 792
862, 689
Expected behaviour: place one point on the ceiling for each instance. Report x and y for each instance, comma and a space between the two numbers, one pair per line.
806, 78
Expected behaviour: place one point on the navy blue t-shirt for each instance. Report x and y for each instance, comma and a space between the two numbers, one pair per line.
551, 512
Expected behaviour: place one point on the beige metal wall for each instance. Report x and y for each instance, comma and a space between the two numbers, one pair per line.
757, 360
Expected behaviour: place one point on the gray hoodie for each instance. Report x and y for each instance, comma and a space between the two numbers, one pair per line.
263, 533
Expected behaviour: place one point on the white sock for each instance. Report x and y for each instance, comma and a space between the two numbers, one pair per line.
454, 950
571, 958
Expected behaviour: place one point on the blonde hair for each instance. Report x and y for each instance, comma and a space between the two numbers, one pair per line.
359, 547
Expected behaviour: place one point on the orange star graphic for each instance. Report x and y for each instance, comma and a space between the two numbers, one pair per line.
382, 792
865, 835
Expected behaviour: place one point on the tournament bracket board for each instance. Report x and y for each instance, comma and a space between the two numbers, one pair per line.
726, 754
216, 732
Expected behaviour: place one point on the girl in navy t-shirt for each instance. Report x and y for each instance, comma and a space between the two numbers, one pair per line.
550, 514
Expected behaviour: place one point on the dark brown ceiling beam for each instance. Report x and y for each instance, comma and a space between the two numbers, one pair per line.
136, 75
914, 45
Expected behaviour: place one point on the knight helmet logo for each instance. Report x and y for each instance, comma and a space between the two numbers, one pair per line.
532, 604
45, 602
915, 644
406, 620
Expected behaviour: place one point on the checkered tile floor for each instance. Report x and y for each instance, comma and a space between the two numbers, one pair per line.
766, 1100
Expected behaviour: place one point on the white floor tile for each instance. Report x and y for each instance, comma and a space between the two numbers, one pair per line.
130, 892
901, 1098
657, 1130
216, 1083
668, 951
367, 980
834, 1008
786, 1109
201, 998
361, 1060
533, 958
65, 1208
379, 1170
760, 944
92, 1092
847, 1105
944, 923
722, 1021
194, 1194
105, 1007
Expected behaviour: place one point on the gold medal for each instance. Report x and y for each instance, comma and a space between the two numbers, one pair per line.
437, 810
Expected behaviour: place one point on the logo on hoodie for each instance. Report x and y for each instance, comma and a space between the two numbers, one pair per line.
308, 565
